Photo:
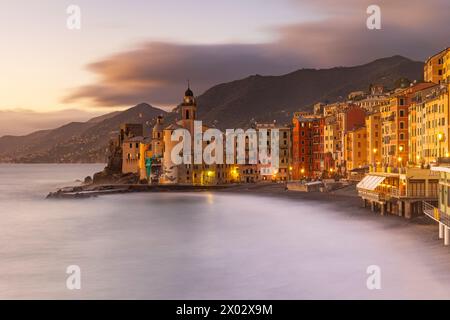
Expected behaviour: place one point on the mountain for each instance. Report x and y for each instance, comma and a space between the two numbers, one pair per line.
74, 142
31, 121
228, 105
268, 98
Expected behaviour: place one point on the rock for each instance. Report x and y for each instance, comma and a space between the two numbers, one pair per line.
129, 178
88, 180
102, 177
108, 177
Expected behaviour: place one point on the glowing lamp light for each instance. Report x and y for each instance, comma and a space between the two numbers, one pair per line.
210, 173
440, 136
401, 148
399, 159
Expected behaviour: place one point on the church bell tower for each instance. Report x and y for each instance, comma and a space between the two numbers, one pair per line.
189, 106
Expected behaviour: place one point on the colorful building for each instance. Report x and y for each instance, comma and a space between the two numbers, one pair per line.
318, 147
348, 118
437, 67
302, 145
429, 128
395, 126
283, 173
355, 146
331, 143
373, 128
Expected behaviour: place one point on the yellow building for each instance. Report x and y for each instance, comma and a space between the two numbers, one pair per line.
433, 123
395, 126
151, 150
331, 140
131, 155
437, 67
373, 127
355, 148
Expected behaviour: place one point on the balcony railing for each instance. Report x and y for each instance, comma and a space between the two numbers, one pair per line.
373, 196
430, 209
397, 193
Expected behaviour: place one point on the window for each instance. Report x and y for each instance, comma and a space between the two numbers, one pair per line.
401, 113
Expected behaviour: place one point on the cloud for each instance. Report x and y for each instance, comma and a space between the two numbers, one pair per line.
156, 72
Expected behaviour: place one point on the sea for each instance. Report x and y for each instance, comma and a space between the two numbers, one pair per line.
221, 245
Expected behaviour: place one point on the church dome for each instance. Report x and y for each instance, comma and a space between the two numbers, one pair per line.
189, 93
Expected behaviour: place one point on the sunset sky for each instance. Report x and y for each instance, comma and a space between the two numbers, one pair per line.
144, 50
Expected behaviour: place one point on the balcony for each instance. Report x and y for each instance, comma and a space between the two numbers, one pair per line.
430, 209
372, 195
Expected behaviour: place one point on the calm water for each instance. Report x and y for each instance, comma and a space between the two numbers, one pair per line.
177, 246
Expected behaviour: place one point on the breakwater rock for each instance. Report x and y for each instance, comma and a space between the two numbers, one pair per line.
80, 192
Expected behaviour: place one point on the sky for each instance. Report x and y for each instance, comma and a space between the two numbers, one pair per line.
128, 52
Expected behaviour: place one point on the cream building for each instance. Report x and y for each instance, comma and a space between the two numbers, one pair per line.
284, 162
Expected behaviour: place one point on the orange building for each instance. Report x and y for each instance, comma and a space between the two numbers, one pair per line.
349, 118
302, 144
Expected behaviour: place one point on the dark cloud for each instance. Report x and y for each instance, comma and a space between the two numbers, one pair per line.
156, 72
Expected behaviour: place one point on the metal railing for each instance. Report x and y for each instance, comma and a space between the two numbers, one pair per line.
430, 209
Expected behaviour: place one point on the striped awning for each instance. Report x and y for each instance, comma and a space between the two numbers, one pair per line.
370, 182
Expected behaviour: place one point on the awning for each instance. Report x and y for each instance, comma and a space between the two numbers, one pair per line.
370, 182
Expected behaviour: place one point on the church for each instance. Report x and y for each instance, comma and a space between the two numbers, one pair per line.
192, 174
151, 157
